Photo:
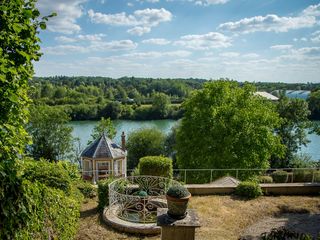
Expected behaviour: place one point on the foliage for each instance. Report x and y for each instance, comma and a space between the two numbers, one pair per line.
144, 142
51, 136
103, 193
178, 191
51, 174
284, 233
87, 189
170, 145
305, 175
303, 161
141, 193
279, 176
292, 131
160, 104
49, 213
265, 179
156, 166
104, 126
314, 105
226, 126
19, 47
248, 189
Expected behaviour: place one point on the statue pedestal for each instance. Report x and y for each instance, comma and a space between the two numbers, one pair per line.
172, 229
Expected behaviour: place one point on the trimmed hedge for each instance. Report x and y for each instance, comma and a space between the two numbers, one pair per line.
156, 166
249, 190
103, 193
280, 176
265, 179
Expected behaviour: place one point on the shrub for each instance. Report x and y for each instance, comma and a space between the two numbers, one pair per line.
87, 189
103, 193
248, 190
49, 213
280, 176
156, 166
50, 174
178, 191
265, 179
301, 175
72, 170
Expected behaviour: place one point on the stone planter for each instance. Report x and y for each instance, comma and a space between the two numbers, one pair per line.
177, 207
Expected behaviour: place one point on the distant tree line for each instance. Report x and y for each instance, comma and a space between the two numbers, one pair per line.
90, 98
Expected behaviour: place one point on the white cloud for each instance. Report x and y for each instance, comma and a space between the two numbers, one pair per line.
65, 39
86, 37
154, 54
68, 11
274, 23
207, 41
312, 10
95, 46
129, 4
268, 23
156, 41
229, 54
141, 20
315, 37
139, 31
251, 55
150, 1
281, 47
210, 2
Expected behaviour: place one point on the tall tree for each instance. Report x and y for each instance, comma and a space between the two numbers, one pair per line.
160, 104
293, 128
314, 104
19, 47
144, 142
104, 126
227, 126
51, 136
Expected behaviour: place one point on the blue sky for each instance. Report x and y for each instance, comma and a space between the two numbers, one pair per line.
245, 40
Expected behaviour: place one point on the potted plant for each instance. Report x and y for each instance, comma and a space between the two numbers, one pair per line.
177, 198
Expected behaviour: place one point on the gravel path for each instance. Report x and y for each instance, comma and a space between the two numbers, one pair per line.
305, 223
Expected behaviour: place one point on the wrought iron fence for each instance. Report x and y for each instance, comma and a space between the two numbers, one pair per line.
127, 202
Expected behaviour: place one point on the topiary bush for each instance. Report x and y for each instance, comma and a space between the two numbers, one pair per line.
103, 193
249, 190
156, 166
87, 189
280, 176
178, 191
265, 179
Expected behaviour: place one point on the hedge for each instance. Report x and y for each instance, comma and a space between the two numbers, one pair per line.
49, 213
156, 166
248, 190
280, 176
103, 193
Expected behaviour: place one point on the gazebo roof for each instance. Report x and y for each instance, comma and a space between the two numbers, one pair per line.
103, 147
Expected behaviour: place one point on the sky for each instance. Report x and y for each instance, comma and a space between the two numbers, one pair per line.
244, 40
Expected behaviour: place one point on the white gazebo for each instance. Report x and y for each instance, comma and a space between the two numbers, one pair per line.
103, 158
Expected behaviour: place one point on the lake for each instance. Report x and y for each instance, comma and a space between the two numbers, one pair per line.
83, 129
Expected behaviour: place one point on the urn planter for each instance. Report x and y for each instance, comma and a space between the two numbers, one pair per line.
177, 200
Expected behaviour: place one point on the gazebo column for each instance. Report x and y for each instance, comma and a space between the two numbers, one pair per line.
94, 175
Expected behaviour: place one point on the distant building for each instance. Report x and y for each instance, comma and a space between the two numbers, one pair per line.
267, 96
301, 94
103, 158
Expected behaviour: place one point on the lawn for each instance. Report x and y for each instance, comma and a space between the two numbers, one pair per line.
222, 217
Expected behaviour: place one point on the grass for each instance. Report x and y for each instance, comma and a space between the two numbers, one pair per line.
222, 217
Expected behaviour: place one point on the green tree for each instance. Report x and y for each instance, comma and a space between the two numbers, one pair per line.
19, 47
160, 104
314, 104
293, 129
51, 136
104, 126
226, 126
144, 142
